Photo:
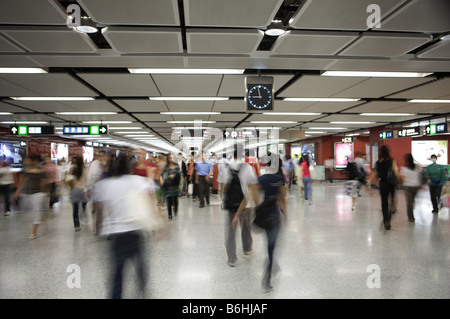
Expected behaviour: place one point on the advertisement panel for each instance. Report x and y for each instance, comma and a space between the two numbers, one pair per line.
422, 150
342, 153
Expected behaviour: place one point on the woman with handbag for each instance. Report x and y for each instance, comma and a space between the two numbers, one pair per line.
386, 173
269, 214
170, 182
77, 181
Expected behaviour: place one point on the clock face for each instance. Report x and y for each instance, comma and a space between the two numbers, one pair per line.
259, 96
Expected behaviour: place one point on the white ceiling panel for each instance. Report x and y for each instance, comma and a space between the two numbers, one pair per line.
223, 41
51, 84
18, 61
275, 118
69, 106
132, 12
229, 106
282, 106
42, 12
359, 118
432, 108
320, 86
234, 85
439, 50
50, 39
313, 42
420, 16
144, 40
109, 60
230, 13
153, 117
189, 106
394, 65
340, 15
6, 107
228, 117
376, 107
379, 87
431, 90
187, 85
122, 84
28, 117
329, 107
7, 46
77, 118
142, 105
385, 44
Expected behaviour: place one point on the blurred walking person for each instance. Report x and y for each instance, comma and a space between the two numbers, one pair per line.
411, 178
204, 170
96, 173
170, 182
6, 181
77, 181
52, 176
123, 227
436, 180
306, 178
33, 185
269, 214
240, 189
386, 173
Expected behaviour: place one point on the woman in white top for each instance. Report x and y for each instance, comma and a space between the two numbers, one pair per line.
411, 179
77, 180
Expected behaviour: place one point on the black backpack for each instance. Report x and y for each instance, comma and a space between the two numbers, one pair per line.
234, 194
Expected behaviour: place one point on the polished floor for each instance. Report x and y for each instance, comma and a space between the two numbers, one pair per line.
326, 250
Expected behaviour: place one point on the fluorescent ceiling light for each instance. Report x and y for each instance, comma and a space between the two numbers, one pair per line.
327, 128
376, 74
296, 113
273, 122
190, 128
185, 71
315, 132
132, 132
386, 114
23, 70
428, 101
351, 122
24, 122
86, 113
5, 113
201, 98
139, 135
319, 99
107, 122
124, 128
53, 98
190, 113
191, 122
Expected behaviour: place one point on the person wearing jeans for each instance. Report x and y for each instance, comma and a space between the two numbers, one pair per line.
411, 176
6, 181
437, 178
203, 172
78, 183
306, 177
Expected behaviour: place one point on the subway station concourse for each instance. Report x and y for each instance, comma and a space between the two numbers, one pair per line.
335, 82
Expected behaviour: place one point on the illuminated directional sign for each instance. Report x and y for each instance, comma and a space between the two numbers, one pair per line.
85, 129
386, 134
409, 131
31, 130
435, 129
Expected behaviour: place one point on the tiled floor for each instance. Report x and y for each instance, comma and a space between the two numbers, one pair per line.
326, 250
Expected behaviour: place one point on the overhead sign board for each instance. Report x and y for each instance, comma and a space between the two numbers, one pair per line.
435, 129
409, 131
85, 129
386, 134
24, 130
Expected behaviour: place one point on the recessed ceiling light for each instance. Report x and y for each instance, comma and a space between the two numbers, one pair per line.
191, 122
201, 98
190, 113
386, 114
23, 70
5, 113
107, 122
292, 113
376, 74
276, 28
428, 101
327, 128
319, 99
184, 71
124, 128
52, 98
273, 122
24, 122
86, 113
351, 122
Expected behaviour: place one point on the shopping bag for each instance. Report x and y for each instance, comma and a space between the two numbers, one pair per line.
142, 211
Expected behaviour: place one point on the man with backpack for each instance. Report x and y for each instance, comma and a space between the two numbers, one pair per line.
239, 196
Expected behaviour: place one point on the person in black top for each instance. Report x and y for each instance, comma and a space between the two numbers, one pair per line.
386, 173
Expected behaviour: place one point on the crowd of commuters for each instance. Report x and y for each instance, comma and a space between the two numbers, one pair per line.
254, 193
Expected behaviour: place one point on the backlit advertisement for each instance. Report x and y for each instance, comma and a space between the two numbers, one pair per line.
343, 152
422, 151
